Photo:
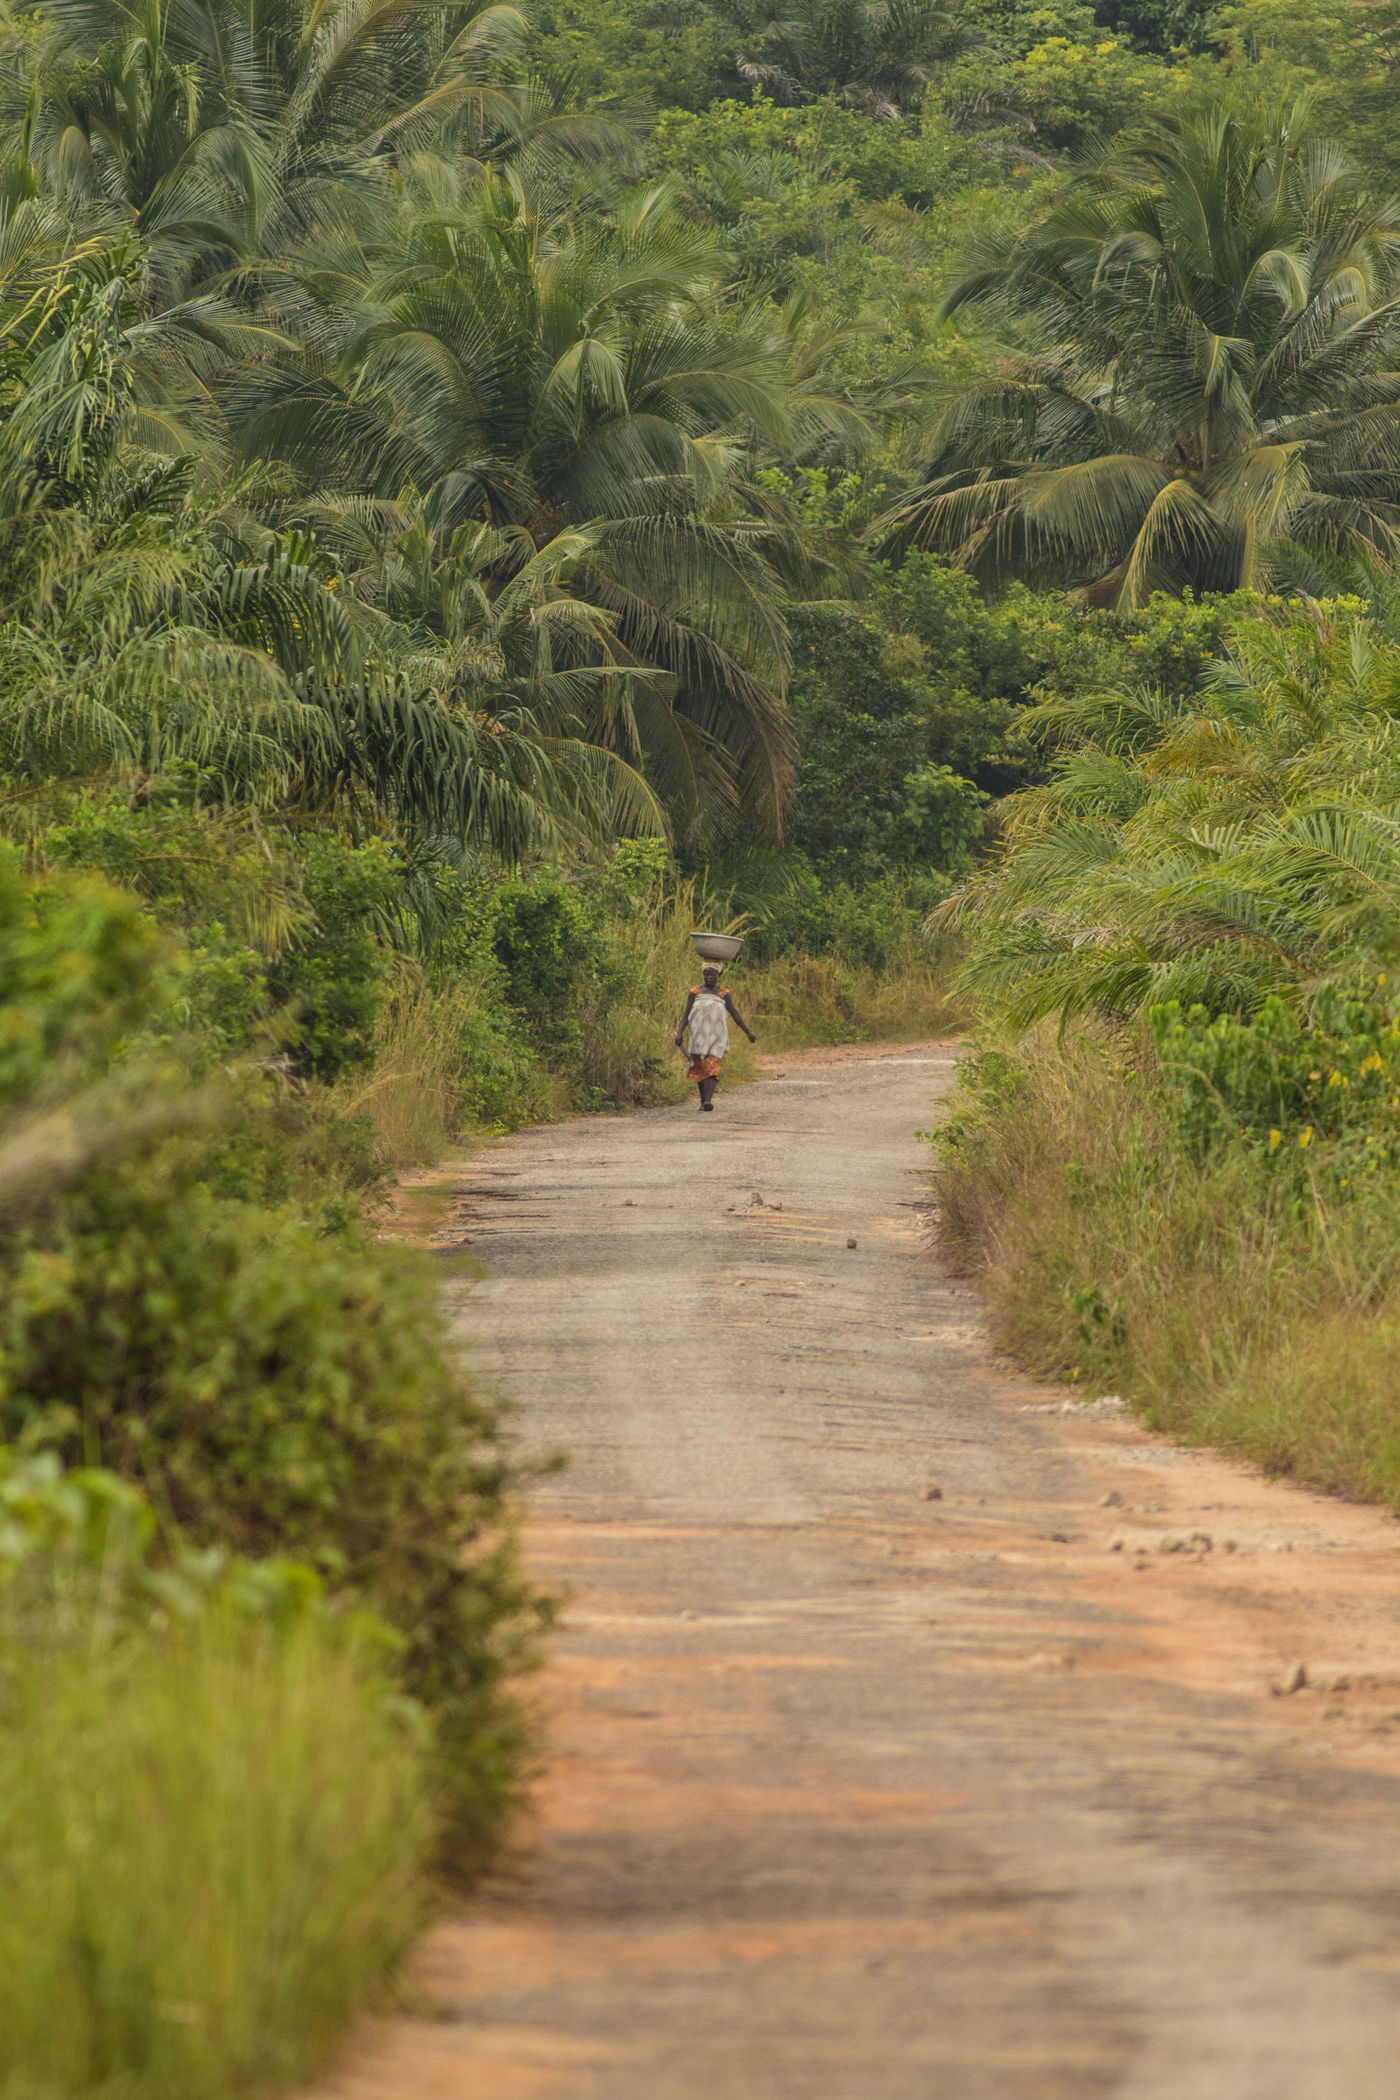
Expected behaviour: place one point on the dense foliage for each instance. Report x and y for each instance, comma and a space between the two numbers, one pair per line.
481, 488
1211, 314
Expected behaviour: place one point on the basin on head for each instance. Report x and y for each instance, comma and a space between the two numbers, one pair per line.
717, 947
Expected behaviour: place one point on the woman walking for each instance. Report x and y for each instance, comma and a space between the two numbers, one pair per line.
708, 1011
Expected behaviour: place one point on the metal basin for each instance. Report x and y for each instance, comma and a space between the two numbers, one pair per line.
717, 947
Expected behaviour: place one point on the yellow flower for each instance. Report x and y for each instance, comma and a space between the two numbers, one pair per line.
1305, 1138
1374, 1063
1275, 1140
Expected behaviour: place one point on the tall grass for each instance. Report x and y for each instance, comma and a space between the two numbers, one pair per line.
1230, 1310
445, 1064
211, 1841
790, 1002
799, 1001
631, 1007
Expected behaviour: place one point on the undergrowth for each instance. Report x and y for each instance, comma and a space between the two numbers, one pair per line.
1239, 1283
211, 1848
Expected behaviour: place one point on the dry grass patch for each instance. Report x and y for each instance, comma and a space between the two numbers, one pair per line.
1229, 1311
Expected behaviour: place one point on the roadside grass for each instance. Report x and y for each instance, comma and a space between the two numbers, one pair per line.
212, 1848
801, 1002
1227, 1311
442, 1067
630, 1012
415, 1095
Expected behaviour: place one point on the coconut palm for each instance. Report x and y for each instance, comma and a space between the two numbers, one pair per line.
1213, 309
132, 91
198, 122
552, 374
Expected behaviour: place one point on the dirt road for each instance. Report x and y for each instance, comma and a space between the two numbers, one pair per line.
858, 1795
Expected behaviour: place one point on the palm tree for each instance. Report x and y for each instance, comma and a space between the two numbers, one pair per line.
197, 123
1212, 310
487, 624
182, 643
153, 627
876, 55
548, 375
1239, 845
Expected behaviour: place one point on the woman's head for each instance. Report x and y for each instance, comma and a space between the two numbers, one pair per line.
710, 976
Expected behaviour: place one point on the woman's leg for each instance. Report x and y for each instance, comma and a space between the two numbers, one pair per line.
707, 1092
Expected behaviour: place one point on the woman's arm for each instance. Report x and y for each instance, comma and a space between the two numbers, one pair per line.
689, 1002
735, 1015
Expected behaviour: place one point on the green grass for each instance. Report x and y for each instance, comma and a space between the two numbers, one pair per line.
211, 1848
1228, 1307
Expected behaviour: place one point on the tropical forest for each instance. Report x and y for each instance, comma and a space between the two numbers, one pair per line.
488, 488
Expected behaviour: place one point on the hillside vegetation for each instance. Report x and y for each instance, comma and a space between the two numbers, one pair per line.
483, 489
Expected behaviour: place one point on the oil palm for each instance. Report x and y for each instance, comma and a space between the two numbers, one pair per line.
151, 627
1212, 310
488, 624
1242, 844
184, 642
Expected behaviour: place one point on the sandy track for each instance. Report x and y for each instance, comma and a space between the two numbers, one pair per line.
856, 1795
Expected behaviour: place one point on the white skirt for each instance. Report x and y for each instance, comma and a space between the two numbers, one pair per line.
708, 1034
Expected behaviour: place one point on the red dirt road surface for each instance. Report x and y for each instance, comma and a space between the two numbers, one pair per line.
889, 1760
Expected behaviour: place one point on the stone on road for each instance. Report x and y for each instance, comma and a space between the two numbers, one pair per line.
873, 1774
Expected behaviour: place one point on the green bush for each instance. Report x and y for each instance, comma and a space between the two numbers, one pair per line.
539, 935
1314, 1095
501, 1082
333, 978
1128, 1235
277, 1383
280, 1391
81, 967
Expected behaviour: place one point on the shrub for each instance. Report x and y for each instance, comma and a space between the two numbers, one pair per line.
1315, 1095
278, 1384
333, 978
281, 1391
449, 1060
80, 968
539, 935
1240, 1294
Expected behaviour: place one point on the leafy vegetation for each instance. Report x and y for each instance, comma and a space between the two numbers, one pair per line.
1190, 1194
482, 490
1210, 315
